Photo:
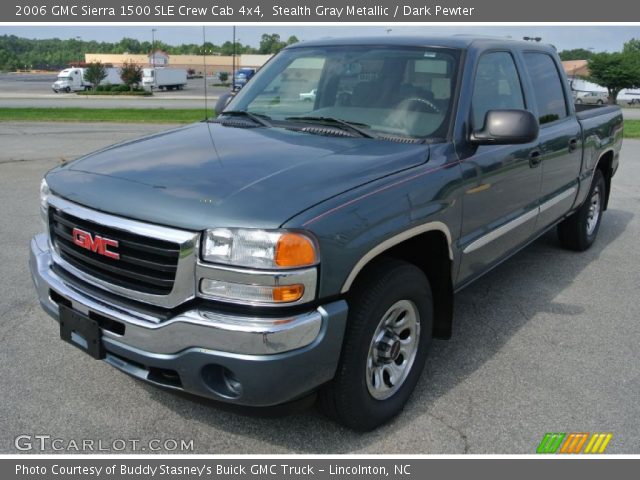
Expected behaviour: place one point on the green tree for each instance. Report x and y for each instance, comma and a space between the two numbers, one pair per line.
131, 74
95, 73
632, 46
128, 45
292, 39
271, 43
223, 76
575, 54
615, 71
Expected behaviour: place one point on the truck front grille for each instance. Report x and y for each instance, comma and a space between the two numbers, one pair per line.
145, 264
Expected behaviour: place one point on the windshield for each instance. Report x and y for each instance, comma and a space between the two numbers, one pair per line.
394, 90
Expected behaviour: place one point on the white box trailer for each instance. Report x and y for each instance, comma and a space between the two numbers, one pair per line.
161, 78
113, 77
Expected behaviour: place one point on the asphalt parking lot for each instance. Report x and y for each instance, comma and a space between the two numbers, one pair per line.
547, 342
34, 90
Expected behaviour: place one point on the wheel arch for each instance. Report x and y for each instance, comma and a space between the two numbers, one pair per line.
428, 247
605, 165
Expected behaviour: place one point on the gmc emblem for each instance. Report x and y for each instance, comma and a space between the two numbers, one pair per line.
97, 244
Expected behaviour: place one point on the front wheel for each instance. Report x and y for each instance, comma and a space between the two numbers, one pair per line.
579, 231
385, 347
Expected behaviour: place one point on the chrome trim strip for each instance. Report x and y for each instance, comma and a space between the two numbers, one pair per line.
557, 199
245, 276
500, 231
395, 240
516, 222
184, 284
199, 328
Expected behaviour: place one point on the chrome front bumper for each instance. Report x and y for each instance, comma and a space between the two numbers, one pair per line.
299, 352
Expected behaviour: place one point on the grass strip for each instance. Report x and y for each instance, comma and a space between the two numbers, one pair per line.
632, 129
118, 115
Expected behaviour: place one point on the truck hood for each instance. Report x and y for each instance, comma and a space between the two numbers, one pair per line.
207, 175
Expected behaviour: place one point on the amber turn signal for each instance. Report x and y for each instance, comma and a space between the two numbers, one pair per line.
287, 293
295, 250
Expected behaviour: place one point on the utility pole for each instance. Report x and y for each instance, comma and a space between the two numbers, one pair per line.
233, 61
79, 39
153, 49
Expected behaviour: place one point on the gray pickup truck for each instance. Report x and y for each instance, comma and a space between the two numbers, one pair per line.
298, 246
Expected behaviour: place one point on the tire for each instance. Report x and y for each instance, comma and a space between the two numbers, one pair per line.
362, 394
579, 101
67, 89
579, 231
600, 102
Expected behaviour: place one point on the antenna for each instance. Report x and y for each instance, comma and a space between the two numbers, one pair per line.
204, 61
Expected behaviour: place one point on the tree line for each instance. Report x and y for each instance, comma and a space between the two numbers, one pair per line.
54, 54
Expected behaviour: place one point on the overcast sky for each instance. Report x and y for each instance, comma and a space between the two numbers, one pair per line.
600, 38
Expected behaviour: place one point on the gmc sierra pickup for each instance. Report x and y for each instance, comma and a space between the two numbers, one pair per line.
290, 247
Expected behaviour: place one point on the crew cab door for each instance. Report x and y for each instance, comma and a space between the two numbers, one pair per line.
560, 138
501, 182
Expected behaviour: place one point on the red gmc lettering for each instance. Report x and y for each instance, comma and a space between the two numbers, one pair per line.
95, 244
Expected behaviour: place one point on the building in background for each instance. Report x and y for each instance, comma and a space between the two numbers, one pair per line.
576, 68
213, 63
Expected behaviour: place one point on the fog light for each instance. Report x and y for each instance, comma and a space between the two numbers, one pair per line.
218, 289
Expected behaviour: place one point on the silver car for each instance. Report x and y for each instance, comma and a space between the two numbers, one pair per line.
593, 98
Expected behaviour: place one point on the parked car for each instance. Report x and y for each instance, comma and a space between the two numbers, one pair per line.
243, 75
308, 96
287, 248
593, 98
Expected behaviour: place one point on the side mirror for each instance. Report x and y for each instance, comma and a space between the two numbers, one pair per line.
223, 101
506, 127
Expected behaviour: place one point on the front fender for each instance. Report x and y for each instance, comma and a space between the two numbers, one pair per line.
354, 228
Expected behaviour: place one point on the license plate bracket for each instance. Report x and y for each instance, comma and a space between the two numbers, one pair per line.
81, 331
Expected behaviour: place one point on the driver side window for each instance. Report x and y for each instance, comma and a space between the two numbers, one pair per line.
497, 87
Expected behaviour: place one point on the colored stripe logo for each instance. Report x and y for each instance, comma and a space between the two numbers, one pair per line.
574, 442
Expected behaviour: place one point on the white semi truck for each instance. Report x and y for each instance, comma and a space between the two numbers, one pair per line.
72, 80
161, 78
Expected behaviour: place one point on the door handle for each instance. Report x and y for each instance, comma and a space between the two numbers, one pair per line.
573, 144
535, 158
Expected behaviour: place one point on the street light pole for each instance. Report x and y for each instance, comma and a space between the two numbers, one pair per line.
153, 49
79, 39
233, 61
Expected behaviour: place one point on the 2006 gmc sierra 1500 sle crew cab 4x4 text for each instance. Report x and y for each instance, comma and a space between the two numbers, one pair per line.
290, 247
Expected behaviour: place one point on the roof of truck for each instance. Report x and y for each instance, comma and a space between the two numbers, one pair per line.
454, 41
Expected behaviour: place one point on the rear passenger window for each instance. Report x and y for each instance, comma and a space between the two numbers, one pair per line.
547, 87
497, 86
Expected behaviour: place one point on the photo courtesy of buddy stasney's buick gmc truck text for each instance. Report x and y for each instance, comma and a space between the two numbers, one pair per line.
309, 240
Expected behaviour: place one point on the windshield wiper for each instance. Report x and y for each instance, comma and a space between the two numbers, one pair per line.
256, 117
352, 127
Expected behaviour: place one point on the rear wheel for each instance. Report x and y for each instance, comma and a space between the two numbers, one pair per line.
385, 347
579, 231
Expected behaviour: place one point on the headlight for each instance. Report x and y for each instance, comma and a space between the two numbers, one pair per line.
44, 200
259, 248
258, 267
